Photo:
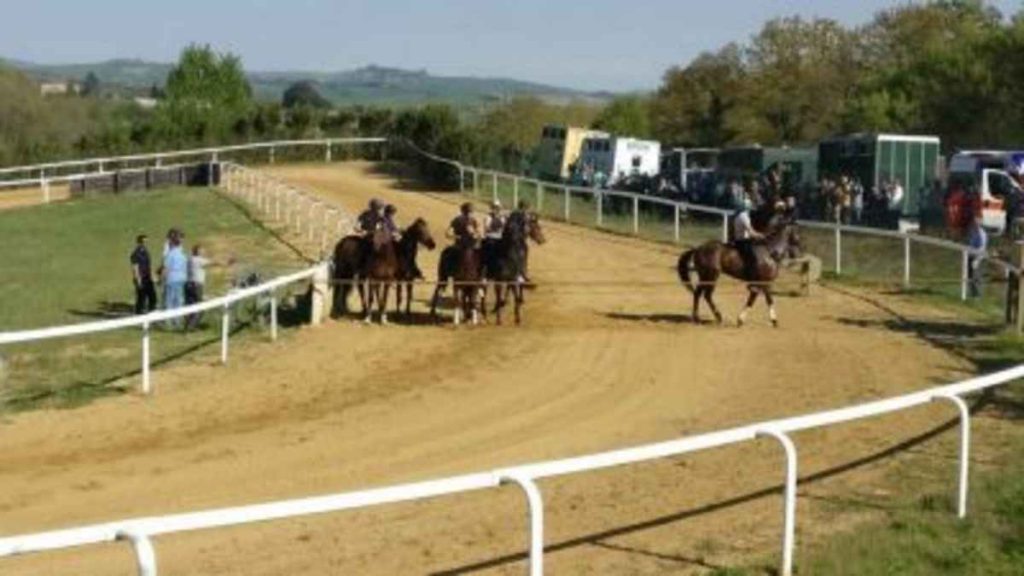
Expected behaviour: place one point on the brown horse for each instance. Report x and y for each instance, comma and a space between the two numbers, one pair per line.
460, 264
380, 271
507, 266
348, 265
714, 258
416, 235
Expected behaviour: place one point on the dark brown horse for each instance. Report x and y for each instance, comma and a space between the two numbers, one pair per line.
416, 235
507, 266
460, 264
380, 271
714, 258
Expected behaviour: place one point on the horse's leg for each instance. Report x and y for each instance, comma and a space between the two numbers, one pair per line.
771, 306
709, 297
398, 297
751, 299
368, 302
408, 297
517, 291
697, 293
499, 300
473, 303
382, 304
457, 293
437, 296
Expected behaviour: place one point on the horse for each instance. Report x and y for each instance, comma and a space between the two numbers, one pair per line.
379, 272
713, 258
416, 235
507, 263
461, 264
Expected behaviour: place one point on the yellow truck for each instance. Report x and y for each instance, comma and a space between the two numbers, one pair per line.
559, 150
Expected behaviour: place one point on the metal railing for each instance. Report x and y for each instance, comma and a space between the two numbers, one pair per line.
140, 531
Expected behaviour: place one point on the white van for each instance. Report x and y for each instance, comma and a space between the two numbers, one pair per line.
992, 173
614, 158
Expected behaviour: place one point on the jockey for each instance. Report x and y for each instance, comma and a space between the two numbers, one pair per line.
371, 218
744, 237
390, 224
523, 209
464, 229
494, 227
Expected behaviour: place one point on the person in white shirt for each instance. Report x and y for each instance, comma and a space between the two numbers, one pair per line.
896, 201
195, 286
744, 237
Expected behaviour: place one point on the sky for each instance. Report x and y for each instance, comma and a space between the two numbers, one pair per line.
616, 45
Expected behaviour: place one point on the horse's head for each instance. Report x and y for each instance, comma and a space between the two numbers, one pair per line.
380, 240
533, 228
787, 242
420, 230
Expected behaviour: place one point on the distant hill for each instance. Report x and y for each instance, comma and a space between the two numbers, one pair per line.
368, 85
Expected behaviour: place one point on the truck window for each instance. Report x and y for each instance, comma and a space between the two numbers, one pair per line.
999, 184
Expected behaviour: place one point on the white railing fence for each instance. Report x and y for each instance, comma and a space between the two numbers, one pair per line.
139, 532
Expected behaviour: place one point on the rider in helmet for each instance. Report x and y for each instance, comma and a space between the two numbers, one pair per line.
494, 227
524, 210
464, 228
744, 237
390, 222
371, 218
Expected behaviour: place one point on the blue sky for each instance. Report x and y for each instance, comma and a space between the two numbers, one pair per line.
593, 44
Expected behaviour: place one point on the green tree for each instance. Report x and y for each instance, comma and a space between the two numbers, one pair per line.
207, 96
626, 116
91, 85
304, 93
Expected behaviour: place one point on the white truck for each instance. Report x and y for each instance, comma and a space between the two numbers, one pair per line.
995, 176
613, 159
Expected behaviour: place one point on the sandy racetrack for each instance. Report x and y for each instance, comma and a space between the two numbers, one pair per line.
597, 366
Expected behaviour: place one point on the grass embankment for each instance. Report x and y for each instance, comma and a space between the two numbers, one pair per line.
68, 263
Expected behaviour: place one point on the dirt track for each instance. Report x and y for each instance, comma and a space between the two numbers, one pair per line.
346, 406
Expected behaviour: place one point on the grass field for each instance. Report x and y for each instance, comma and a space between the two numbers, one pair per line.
68, 263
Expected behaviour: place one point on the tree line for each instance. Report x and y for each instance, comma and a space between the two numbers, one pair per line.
948, 68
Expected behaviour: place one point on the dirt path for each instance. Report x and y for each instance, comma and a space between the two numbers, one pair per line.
597, 366
22, 197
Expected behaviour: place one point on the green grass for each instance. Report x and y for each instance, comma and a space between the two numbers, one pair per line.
68, 263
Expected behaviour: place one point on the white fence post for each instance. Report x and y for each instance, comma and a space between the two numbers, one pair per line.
568, 199
599, 197
906, 262
964, 273
462, 179
677, 217
273, 315
839, 250
725, 227
209, 175
515, 192
789, 504
636, 215
46, 191
225, 330
145, 556
536, 515
540, 197
271, 154
146, 387
327, 152
965, 450
494, 186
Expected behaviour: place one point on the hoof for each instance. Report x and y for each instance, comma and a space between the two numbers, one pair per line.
775, 323
384, 320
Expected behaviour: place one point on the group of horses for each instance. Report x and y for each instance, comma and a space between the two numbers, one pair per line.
376, 262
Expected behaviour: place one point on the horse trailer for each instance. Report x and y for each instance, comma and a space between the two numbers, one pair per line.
613, 159
559, 150
879, 159
799, 165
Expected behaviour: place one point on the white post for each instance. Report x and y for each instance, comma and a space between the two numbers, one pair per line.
536, 515
462, 179
209, 175
273, 315
494, 186
568, 198
46, 191
327, 153
678, 210
272, 154
515, 192
725, 227
540, 197
145, 556
964, 273
906, 262
146, 387
476, 179
636, 215
225, 329
965, 447
600, 209
789, 505
839, 250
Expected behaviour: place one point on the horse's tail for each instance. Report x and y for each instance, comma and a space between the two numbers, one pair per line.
684, 267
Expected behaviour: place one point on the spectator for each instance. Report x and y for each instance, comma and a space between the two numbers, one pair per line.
195, 286
896, 199
175, 275
858, 201
142, 277
977, 239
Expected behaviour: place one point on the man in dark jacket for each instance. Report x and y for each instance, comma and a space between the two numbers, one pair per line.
142, 277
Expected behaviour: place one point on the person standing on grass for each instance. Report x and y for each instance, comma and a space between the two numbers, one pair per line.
195, 286
977, 239
175, 275
142, 277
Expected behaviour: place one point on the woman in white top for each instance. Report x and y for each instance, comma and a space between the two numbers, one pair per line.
196, 284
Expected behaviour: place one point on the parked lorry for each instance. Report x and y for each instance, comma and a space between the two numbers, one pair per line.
559, 150
876, 160
611, 160
689, 172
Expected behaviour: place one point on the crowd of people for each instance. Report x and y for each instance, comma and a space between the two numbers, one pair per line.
181, 275
846, 200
